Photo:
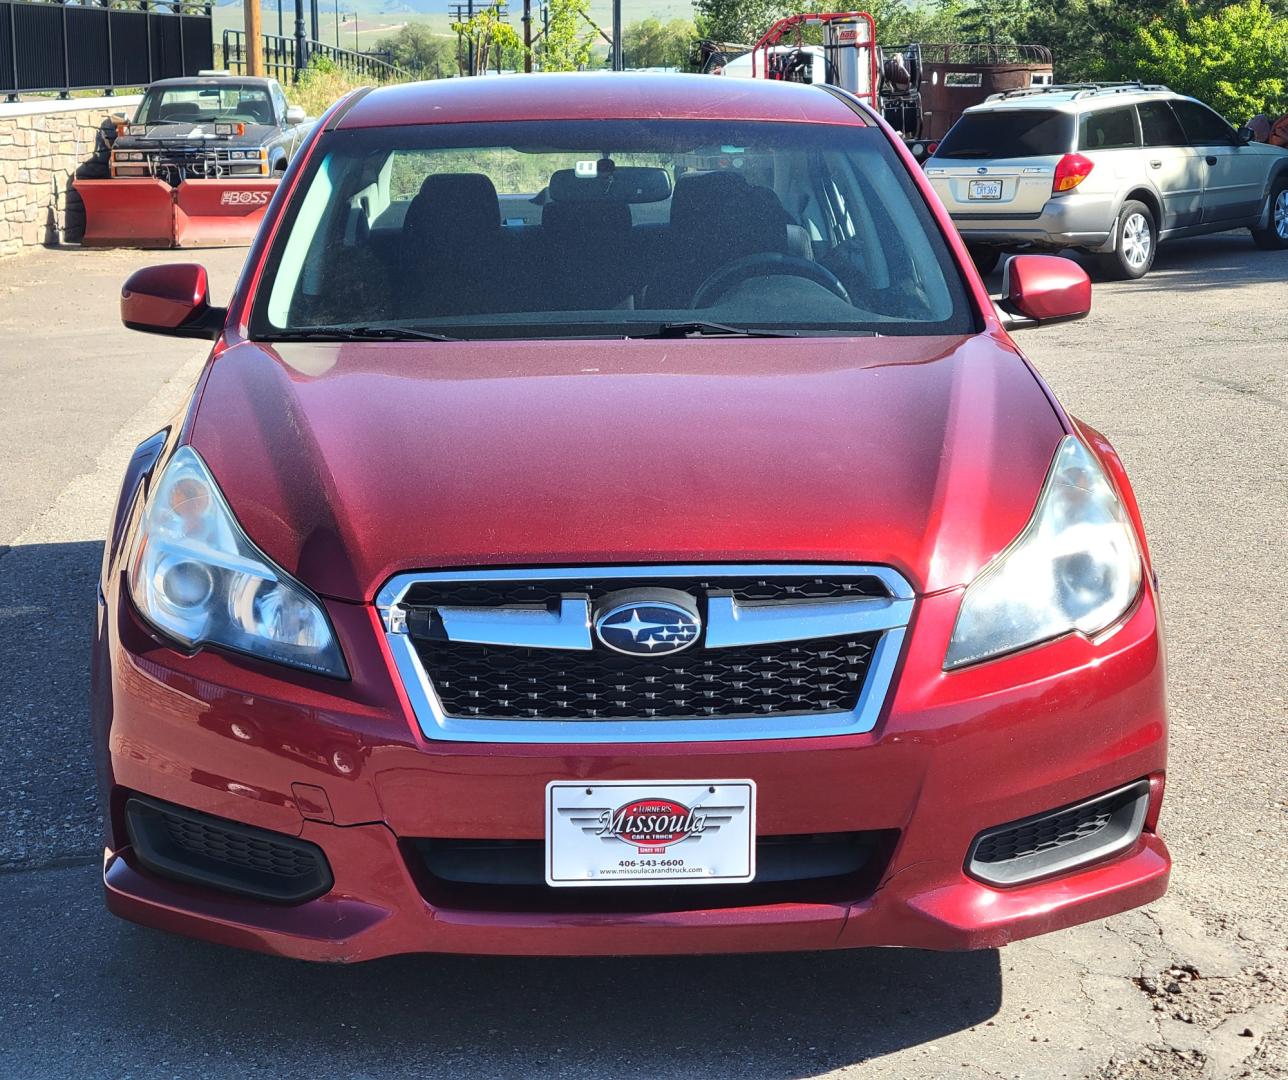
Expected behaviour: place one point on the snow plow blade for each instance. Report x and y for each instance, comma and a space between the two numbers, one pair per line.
127, 213
149, 213
219, 213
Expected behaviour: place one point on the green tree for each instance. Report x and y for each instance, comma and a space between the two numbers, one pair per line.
651, 43
419, 50
569, 33
1235, 58
900, 22
489, 41
1006, 22
735, 21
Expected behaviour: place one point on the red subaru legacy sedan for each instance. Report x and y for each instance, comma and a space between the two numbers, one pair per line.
614, 518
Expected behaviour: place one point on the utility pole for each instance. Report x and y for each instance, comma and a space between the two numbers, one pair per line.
527, 36
618, 64
254, 38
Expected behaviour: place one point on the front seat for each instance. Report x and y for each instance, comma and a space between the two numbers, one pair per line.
715, 218
452, 247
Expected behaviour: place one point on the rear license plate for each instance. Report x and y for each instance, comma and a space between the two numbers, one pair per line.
985, 189
661, 832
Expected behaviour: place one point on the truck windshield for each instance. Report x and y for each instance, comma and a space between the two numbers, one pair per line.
205, 104
1009, 133
608, 228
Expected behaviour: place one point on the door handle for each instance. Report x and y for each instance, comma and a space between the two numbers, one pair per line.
1211, 159
1155, 164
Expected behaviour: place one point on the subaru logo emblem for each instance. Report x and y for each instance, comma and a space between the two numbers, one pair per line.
981, 170
647, 627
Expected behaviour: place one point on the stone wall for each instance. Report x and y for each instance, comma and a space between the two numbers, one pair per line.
43, 145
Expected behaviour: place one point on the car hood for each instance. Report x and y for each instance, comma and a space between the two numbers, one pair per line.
347, 463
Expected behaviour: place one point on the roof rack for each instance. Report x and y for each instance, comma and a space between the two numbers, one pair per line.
1078, 90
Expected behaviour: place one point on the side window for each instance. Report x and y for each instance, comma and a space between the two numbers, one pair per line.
1158, 124
1202, 125
1109, 129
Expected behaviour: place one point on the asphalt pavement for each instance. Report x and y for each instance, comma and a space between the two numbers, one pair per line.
1185, 371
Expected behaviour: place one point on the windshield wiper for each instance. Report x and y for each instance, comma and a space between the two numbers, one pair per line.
703, 328
349, 333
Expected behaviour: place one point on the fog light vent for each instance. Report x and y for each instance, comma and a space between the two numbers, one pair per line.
1060, 839
189, 846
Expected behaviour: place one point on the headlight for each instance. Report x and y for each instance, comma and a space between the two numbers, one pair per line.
237, 155
129, 155
196, 576
1074, 567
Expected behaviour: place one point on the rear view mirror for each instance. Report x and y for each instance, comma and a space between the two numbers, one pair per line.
295, 115
1245, 134
624, 183
1039, 289
171, 299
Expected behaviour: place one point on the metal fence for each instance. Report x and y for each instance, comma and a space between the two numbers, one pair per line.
92, 46
284, 60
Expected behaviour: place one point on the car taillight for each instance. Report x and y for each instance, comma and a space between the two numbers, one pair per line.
1071, 171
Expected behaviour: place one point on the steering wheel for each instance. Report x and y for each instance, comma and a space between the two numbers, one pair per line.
766, 264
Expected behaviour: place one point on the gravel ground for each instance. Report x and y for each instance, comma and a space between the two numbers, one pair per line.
1187, 373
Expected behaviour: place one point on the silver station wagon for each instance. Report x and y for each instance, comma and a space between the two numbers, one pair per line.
1110, 169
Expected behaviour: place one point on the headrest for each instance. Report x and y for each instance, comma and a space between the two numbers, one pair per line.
455, 206
722, 205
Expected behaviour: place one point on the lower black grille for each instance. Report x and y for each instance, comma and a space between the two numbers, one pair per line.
205, 850
1044, 834
824, 675
509, 875
1062, 838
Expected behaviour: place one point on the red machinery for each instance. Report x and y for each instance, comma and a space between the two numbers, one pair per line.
849, 52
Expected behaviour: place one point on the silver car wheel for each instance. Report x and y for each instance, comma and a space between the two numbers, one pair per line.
1137, 239
1281, 214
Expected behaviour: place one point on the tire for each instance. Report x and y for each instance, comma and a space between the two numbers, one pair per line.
1135, 244
1275, 236
985, 259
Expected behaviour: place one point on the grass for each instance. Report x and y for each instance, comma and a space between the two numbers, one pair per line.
321, 86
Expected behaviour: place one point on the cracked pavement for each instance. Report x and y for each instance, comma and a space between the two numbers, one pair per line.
1185, 371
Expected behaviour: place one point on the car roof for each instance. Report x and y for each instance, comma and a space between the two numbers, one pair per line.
213, 80
599, 96
1073, 99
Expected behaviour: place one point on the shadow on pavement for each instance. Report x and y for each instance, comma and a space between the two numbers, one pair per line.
160, 998
1220, 261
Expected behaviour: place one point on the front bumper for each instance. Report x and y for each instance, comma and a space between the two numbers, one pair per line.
344, 766
1073, 220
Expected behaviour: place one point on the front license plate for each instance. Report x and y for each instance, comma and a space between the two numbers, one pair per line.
660, 832
985, 189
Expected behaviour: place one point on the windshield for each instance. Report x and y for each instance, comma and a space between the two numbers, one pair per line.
609, 228
233, 102
1009, 133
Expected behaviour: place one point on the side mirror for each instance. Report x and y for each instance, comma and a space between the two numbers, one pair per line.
1039, 289
171, 299
1245, 135
295, 115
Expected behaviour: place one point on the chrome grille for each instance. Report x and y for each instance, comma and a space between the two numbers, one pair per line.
520, 656
787, 677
